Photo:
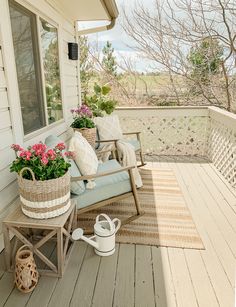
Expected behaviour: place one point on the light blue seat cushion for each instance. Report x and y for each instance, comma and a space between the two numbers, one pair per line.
106, 187
76, 187
135, 143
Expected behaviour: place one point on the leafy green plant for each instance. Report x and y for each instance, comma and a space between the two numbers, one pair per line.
99, 102
46, 163
83, 122
205, 59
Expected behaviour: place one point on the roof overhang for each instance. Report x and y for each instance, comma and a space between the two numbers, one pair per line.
88, 10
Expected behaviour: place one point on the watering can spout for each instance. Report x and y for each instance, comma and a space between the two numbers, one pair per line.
78, 234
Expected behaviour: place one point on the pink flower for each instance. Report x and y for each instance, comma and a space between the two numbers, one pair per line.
22, 154
39, 149
28, 155
25, 154
51, 154
82, 111
60, 146
16, 147
70, 154
44, 159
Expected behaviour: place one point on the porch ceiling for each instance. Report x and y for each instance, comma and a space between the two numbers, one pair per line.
87, 10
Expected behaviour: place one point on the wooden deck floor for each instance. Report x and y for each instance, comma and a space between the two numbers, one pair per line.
145, 276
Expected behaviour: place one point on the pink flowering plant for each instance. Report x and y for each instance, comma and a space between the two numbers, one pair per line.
46, 163
82, 117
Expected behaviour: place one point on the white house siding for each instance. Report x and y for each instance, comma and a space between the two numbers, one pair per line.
7, 180
10, 121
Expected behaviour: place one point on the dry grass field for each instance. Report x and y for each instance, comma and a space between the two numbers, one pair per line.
156, 90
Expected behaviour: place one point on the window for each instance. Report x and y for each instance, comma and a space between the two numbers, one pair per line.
37, 65
51, 70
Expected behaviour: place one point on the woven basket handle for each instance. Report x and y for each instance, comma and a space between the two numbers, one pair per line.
22, 247
27, 169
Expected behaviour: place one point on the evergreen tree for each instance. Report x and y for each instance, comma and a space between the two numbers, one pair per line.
109, 60
205, 59
85, 65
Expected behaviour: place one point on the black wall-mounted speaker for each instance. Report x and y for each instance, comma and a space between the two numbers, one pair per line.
73, 51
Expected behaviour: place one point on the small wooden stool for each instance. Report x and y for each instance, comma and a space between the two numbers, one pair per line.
60, 227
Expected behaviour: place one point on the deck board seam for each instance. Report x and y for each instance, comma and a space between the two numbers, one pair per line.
190, 276
223, 182
213, 196
171, 274
153, 280
206, 234
198, 184
221, 177
114, 288
81, 265
206, 231
185, 260
13, 287
95, 284
51, 254
210, 279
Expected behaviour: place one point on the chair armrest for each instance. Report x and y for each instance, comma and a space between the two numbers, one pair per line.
101, 152
89, 177
137, 134
106, 141
104, 151
130, 133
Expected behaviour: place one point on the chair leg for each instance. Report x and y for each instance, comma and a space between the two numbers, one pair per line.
141, 158
141, 151
118, 157
135, 193
113, 154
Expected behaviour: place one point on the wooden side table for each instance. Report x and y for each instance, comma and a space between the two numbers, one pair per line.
59, 227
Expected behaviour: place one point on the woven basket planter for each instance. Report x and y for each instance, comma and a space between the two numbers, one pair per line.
26, 274
44, 199
89, 134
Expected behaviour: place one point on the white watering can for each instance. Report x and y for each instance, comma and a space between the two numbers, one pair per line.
104, 239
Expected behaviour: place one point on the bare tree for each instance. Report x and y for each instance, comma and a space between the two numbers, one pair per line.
166, 32
119, 91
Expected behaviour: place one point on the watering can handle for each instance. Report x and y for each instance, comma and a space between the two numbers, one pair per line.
106, 217
118, 224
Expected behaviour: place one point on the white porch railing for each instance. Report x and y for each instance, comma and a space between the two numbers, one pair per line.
222, 143
191, 131
169, 131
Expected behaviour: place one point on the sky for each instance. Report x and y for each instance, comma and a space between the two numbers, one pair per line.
120, 40
123, 44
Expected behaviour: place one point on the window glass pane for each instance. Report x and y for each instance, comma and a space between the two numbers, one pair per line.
24, 31
49, 44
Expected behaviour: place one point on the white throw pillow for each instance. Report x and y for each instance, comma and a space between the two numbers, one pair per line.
85, 156
108, 128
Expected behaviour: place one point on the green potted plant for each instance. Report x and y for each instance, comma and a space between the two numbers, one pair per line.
43, 179
84, 123
100, 103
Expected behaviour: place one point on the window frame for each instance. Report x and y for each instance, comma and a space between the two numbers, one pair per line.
41, 73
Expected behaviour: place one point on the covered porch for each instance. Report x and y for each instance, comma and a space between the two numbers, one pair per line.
140, 275
198, 144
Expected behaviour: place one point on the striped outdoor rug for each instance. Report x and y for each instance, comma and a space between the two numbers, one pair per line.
167, 220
